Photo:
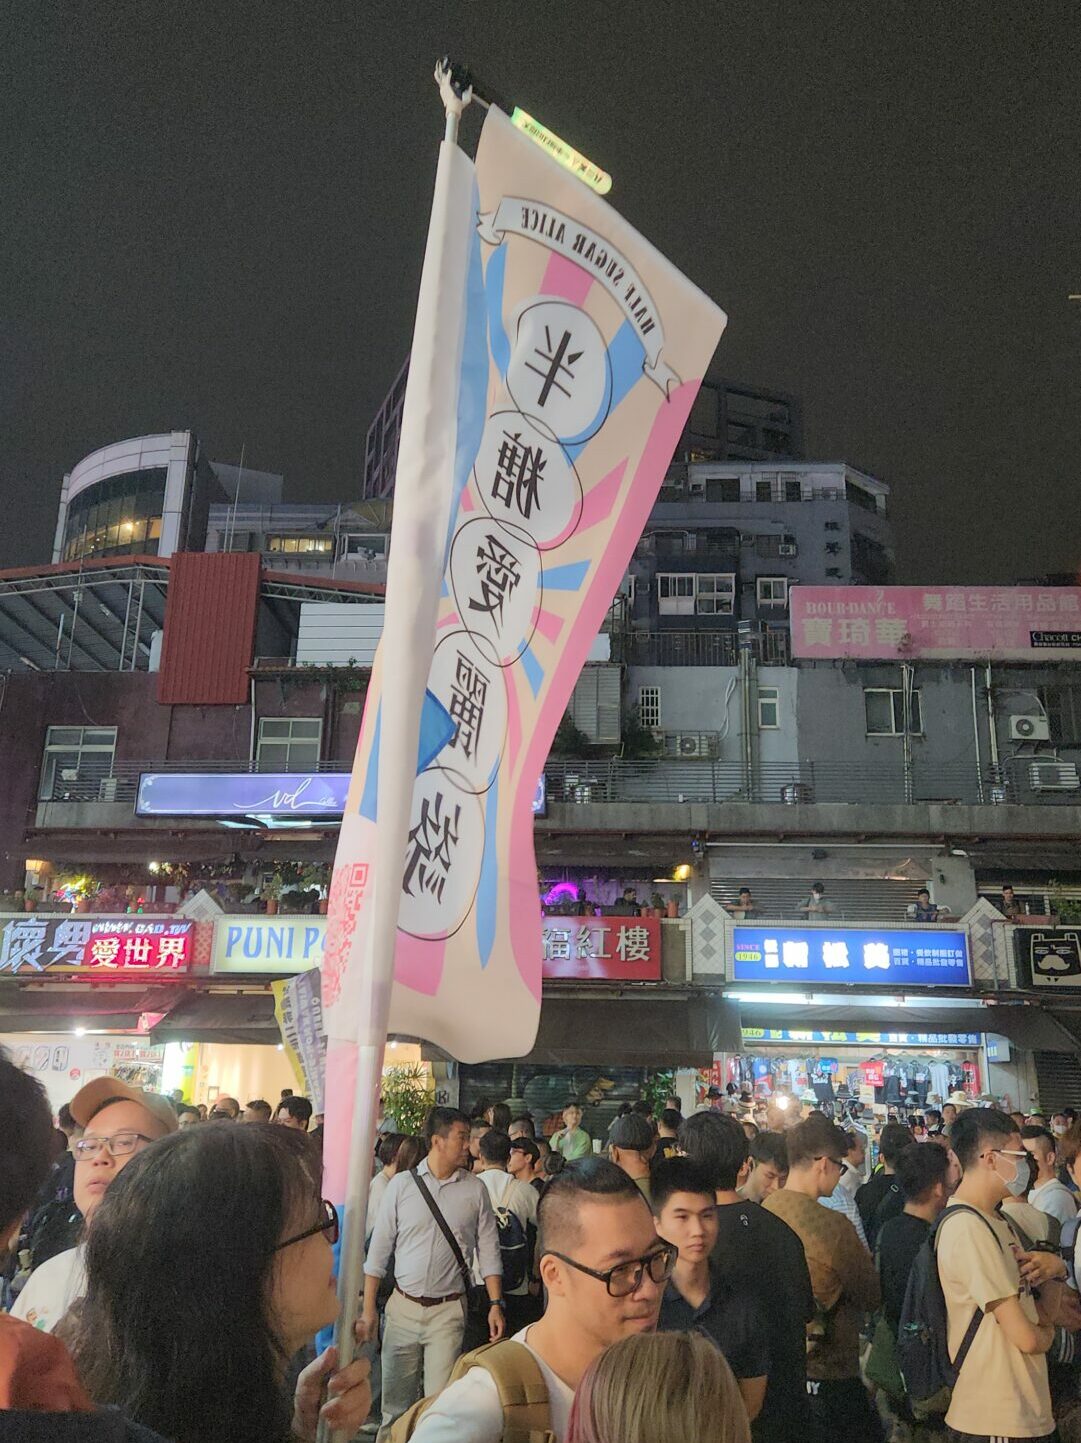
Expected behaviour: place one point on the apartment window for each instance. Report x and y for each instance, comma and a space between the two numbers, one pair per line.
649, 706
1062, 703
75, 753
885, 709
289, 744
300, 545
857, 496
793, 491
832, 526
722, 488
772, 590
769, 718
691, 594
763, 490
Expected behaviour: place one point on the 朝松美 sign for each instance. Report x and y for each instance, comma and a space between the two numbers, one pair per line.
936, 623
1049, 957
871, 957
602, 948
101, 946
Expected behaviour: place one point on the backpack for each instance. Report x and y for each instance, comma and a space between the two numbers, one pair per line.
513, 1248
923, 1354
523, 1394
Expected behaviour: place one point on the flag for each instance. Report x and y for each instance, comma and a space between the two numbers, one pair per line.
564, 376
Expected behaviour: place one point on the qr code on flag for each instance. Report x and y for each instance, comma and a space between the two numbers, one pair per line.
347, 891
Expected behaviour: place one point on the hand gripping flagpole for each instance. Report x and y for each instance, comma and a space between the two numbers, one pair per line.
423, 489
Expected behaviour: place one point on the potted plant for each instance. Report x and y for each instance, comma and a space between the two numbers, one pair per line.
271, 892
407, 1097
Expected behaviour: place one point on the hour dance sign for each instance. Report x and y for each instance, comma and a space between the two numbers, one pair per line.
936, 623
583, 352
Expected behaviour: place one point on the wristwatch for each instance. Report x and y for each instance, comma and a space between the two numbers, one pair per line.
498, 1303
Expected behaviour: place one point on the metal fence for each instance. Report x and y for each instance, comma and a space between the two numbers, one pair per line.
697, 648
672, 779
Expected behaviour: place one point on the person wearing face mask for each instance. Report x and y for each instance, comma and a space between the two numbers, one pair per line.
119, 1122
1002, 1388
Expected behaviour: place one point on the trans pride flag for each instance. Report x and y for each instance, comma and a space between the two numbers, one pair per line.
571, 354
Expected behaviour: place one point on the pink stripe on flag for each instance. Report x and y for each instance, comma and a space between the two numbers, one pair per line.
418, 962
452, 619
547, 623
600, 500
466, 502
563, 278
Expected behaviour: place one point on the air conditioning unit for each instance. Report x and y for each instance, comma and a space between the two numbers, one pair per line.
107, 789
1029, 728
692, 744
1053, 777
788, 550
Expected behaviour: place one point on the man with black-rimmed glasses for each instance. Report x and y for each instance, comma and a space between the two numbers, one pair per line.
604, 1269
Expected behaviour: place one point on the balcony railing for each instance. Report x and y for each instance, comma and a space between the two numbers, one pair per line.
697, 648
677, 779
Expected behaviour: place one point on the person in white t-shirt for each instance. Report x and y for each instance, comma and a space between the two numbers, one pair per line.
1049, 1195
1002, 1388
118, 1122
519, 1198
604, 1268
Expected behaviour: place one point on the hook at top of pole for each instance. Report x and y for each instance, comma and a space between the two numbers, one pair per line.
454, 94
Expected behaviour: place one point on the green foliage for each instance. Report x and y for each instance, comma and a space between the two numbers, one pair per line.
569, 740
1065, 907
638, 741
407, 1097
656, 1087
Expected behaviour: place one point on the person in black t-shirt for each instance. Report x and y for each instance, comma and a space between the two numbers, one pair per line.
923, 1174
697, 1298
892, 1142
758, 1256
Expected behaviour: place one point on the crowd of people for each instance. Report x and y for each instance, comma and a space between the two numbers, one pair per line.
706, 1279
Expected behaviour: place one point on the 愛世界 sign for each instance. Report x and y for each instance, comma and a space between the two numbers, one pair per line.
1049, 957
872, 957
94, 945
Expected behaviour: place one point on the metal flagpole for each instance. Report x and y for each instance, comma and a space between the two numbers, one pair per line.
423, 487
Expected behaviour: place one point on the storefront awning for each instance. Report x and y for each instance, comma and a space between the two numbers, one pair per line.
645, 1030
220, 1017
1029, 1027
62, 1009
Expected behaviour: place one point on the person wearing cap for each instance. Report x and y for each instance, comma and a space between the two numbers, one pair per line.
118, 1121
630, 1145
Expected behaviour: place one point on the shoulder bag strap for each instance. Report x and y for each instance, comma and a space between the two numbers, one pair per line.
444, 1227
977, 1317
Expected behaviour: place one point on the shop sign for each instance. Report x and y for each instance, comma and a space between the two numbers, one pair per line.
603, 948
1051, 957
98, 946
864, 955
256, 794
876, 1039
585, 948
941, 623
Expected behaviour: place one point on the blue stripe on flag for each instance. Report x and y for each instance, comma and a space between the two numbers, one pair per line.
437, 726
567, 578
533, 670
625, 356
369, 798
473, 379
487, 888
497, 336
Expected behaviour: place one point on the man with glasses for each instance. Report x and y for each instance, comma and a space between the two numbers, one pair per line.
1002, 1388
843, 1280
604, 1269
118, 1122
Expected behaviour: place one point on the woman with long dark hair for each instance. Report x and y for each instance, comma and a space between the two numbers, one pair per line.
209, 1266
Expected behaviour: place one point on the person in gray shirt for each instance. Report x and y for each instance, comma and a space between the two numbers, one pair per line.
425, 1317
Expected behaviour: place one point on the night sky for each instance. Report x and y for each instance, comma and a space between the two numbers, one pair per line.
213, 215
